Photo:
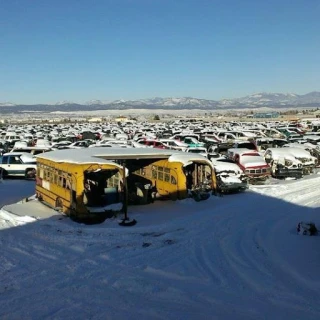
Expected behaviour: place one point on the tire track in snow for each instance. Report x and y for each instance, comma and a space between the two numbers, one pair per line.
302, 192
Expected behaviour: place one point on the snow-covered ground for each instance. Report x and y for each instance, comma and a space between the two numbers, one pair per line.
231, 257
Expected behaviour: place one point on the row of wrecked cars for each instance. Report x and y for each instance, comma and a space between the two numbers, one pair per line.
238, 167
245, 159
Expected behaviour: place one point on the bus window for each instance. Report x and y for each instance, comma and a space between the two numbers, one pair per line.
173, 180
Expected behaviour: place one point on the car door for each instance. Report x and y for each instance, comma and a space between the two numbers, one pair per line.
4, 163
15, 166
229, 137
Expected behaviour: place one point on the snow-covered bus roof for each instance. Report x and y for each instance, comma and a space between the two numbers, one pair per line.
151, 153
75, 156
188, 158
103, 155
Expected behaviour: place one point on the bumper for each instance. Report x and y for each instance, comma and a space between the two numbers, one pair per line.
232, 187
307, 169
288, 173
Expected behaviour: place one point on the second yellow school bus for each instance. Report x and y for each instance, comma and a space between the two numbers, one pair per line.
170, 173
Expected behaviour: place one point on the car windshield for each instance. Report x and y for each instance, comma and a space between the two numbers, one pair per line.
251, 154
250, 146
27, 159
197, 151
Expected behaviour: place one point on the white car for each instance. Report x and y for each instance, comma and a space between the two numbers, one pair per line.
297, 157
18, 164
78, 145
175, 144
199, 150
61, 145
230, 177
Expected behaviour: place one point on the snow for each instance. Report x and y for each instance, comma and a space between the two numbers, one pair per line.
231, 179
99, 154
252, 161
232, 257
76, 156
226, 166
92, 154
188, 158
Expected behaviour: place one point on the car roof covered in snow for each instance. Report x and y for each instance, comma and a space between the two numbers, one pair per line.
17, 153
221, 166
297, 152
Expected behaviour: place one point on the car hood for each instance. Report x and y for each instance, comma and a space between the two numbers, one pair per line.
28, 159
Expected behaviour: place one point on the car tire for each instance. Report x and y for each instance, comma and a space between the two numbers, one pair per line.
3, 173
30, 173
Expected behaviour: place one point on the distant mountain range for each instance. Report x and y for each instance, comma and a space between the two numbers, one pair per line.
253, 101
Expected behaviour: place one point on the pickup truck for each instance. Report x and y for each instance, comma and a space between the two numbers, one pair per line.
251, 162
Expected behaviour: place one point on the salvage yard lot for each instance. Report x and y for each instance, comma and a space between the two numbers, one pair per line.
231, 257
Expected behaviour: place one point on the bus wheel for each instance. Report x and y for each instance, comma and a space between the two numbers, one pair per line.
59, 204
73, 214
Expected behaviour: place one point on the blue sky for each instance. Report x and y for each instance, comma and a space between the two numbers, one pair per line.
80, 50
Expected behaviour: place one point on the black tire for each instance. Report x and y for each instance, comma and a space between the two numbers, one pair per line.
59, 204
30, 173
73, 214
3, 173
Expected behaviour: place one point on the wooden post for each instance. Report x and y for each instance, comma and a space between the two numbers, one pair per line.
195, 174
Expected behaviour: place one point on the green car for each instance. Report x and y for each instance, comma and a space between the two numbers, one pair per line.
192, 142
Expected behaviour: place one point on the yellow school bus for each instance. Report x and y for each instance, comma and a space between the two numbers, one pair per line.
168, 173
78, 184
92, 181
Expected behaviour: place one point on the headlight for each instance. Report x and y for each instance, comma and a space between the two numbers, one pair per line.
288, 163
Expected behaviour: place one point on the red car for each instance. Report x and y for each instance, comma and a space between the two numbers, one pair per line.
152, 143
251, 162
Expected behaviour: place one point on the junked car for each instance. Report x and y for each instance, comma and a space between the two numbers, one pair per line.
265, 143
308, 161
311, 148
193, 142
18, 164
149, 143
230, 177
251, 162
174, 144
283, 163
200, 150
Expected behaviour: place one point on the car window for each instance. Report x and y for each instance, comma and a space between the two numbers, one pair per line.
5, 160
250, 146
14, 160
35, 152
